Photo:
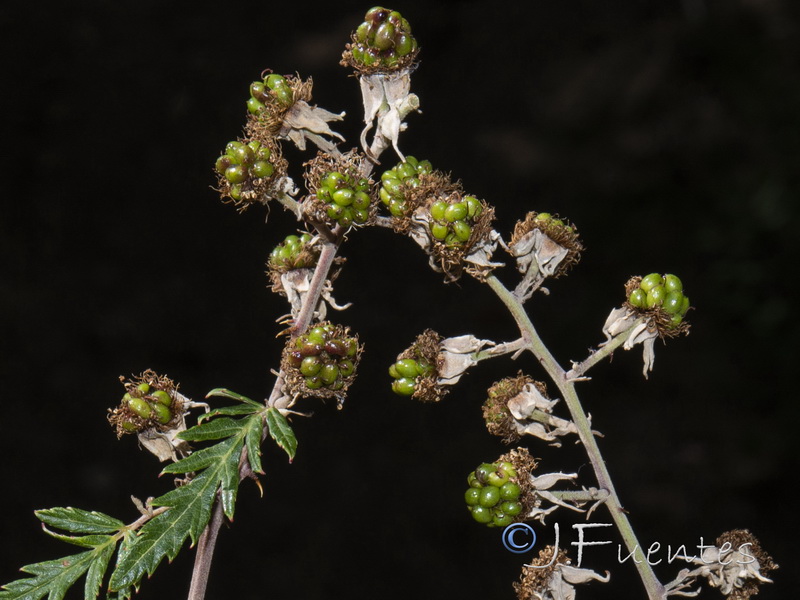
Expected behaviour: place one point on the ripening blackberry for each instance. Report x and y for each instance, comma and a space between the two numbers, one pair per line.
397, 181
656, 293
382, 42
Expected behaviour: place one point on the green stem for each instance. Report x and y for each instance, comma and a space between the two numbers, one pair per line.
655, 590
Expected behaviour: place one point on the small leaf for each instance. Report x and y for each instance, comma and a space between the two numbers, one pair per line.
253, 441
281, 432
96, 572
53, 578
199, 460
233, 410
216, 429
76, 520
85, 541
223, 393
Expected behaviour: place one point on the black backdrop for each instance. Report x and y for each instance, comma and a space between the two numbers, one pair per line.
667, 131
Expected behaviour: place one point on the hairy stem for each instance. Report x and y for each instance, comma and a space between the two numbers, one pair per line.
604, 351
205, 553
655, 590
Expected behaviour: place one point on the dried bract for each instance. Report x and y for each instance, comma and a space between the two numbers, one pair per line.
551, 577
544, 246
737, 565
518, 406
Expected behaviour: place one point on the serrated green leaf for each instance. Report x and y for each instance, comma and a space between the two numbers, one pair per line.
164, 534
54, 577
96, 572
232, 410
218, 429
281, 432
85, 541
201, 459
76, 520
255, 429
223, 393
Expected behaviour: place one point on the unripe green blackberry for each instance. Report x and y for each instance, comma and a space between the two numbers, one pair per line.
247, 169
294, 252
398, 180
347, 198
414, 373
322, 362
661, 298
271, 89
494, 497
382, 42
453, 218
150, 401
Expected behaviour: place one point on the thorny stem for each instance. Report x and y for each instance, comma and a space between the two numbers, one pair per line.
655, 590
578, 369
499, 350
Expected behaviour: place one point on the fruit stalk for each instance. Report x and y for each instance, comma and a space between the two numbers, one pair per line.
655, 590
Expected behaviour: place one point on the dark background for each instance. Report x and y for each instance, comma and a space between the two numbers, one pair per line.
669, 132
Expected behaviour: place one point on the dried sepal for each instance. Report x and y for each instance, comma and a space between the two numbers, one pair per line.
544, 246
336, 354
456, 355
736, 564
642, 332
551, 576
387, 100
353, 165
299, 122
452, 258
657, 318
518, 406
155, 411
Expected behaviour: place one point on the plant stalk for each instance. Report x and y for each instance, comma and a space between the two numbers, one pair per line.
655, 590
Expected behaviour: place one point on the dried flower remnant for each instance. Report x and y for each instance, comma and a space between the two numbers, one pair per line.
736, 564
155, 411
517, 406
551, 576
279, 108
544, 246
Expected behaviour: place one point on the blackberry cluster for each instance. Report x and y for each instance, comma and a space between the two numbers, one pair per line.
144, 407
243, 162
656, 291
383, 39
396, 181
325, 357
405, 372
272, 86
493, 494
452, 220
347, 198
289, 254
